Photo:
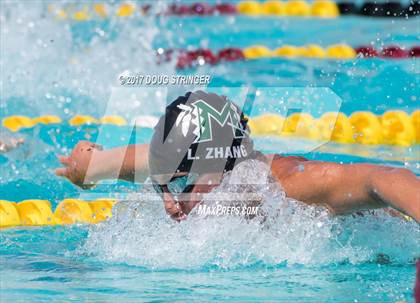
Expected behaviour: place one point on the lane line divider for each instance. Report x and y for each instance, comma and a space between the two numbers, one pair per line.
201, 56
270, 8
394, 127
36, 212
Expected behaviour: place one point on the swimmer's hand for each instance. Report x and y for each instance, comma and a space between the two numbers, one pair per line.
180, 216
88, 163
174, 210
76, 165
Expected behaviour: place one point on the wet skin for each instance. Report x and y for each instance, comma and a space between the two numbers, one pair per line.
341, 188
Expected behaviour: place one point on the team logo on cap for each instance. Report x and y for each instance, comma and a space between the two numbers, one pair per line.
201, 114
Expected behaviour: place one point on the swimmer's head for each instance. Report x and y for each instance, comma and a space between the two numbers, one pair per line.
200, 137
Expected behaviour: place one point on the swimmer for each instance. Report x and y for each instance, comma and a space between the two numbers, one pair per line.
203, 135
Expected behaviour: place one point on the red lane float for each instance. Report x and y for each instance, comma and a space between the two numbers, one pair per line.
201, 9
190, 58
196, 57
366, 51
394, 52
226, 9
231, 54
415, 51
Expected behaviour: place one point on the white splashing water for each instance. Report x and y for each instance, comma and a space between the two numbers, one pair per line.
55, 64
291, 233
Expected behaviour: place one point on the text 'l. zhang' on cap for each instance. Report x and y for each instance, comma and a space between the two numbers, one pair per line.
200, 133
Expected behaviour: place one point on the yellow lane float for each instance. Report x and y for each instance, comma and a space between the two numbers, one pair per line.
15, 123
81, 119
273, 7
251, 125
398, 128
115, 120
313, 51
341, 51
35, 212
71, 211
392, 128
267, 124
256, 51
415, 119
367, 128
100, 9
47, 119
287, 51
297, 8
301, 125
9, 216
336, 127
101, 210
60, 13
68, 211
81, 15
126, 10
252, 8
324, 9
336, 51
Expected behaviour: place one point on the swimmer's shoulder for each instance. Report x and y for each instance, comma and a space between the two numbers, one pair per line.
285, 160
282, 166
278, 157
269, 158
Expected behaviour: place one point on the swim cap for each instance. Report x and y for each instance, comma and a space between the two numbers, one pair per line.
201, 133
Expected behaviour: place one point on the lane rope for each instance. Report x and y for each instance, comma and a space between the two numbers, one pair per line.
291, 8
36, 212
394, 127
391, 128
202, 56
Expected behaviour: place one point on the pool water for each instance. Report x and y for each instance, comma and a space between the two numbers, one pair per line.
300, 254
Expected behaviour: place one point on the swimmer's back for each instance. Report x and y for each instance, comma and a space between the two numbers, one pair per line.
340, 188
283, 166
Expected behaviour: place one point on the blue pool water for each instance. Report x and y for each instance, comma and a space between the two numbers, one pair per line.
65, 68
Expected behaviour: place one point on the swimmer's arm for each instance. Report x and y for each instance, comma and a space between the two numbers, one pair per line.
398, 188
128, 163
345, 188
89, 163
136, 163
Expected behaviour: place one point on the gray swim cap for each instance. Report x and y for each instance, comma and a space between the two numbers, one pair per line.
200, 132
